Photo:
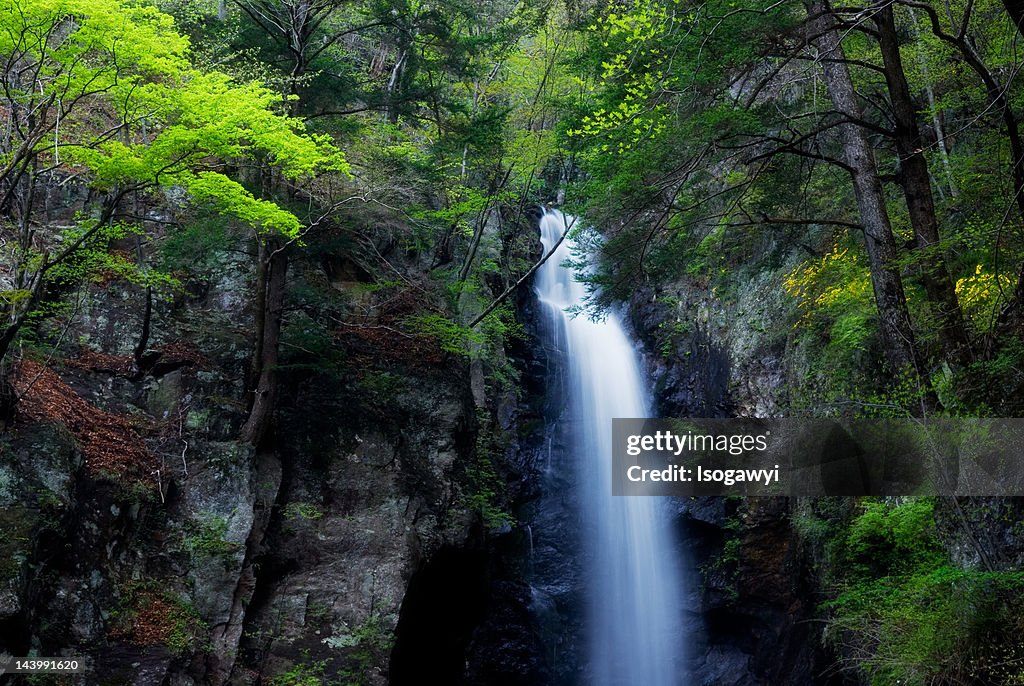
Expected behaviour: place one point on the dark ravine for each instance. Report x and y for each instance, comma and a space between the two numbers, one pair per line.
345, 546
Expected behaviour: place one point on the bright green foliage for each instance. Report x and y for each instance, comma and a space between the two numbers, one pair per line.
98, 54
451, 337
198, 115
302, 674
230, 197
648, 58
906, 615
636, 66
114, 100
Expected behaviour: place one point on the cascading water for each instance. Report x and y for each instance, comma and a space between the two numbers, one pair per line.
631, 573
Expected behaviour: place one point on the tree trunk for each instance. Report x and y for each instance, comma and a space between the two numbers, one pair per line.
940, 130
1015, 8
147, 313
997, 95
147, 324
890, 298
10, 332
270, 292
15, 315
917, 190
1012, 314
259, 309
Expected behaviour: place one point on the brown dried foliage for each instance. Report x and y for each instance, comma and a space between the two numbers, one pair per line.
370, 345
109, 442
385, 339
152, 622
177, 353
181, 351
153, 618
102, 362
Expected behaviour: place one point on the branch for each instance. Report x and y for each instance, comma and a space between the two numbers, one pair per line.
342, 113
341, 34
110, 206
796, 220
508, 291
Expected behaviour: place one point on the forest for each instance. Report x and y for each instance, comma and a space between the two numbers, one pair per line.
275, 401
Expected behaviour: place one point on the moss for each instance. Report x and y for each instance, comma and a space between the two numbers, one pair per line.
17, 525
484, 491
302, 674
206, 538
302, 510
367, 646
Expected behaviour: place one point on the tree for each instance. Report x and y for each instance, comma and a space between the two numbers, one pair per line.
890, 298
111, 83
916, 182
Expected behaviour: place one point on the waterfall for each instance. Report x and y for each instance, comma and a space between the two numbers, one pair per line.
630, 571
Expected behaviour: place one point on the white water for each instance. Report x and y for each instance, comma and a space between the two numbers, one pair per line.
633, 579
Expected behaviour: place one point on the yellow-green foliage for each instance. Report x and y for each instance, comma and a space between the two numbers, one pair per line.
981, 295
835, 291
635, 64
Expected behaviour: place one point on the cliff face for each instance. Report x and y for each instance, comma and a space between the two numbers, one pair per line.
140, 534
755, 603
767, 569
398, 528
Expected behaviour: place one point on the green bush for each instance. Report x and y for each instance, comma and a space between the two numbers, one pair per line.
302, 674
905, 615
888, 540
944, 625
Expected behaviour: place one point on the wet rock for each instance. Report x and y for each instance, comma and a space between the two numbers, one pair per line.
506, 649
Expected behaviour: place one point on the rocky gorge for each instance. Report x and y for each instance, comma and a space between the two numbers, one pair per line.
290, 397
